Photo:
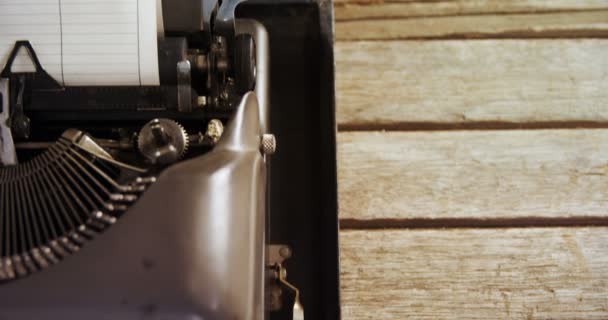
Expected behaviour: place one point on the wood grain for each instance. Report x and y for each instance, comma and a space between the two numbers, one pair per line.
377, 9
550, 25
387, 78
396, 83
551, 273
473, 174
546, 25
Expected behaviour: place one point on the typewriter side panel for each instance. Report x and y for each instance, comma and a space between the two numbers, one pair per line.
303, 205
168, 263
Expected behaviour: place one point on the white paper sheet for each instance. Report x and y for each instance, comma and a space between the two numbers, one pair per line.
84, 42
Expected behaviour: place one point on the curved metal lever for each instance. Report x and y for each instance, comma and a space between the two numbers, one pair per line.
224, 20
298, 310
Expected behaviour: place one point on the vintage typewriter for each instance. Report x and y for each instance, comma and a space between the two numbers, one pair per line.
156, 201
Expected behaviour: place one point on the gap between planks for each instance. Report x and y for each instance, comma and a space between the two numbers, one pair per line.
396, 16
583, 25
471, 223
480, 125
346, 10
465, 19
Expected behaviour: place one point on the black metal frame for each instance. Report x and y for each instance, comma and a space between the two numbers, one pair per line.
304, 205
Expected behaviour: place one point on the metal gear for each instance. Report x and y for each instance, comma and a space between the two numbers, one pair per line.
162, 141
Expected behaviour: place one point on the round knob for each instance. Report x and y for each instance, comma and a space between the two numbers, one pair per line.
268, 144
162, 141
215, 129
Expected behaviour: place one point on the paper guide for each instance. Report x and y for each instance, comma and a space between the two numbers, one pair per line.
84, 42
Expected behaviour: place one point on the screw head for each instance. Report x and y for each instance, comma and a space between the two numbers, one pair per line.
201, 101
285, 252
215, 129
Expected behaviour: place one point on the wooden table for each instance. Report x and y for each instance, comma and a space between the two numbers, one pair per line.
473, 158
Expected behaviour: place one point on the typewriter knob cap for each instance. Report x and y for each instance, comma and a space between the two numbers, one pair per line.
20, 125
162, 141
268, 144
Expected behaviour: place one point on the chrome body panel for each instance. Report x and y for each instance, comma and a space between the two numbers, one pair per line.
190, 248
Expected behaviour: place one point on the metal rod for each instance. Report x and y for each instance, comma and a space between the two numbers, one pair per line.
106, 143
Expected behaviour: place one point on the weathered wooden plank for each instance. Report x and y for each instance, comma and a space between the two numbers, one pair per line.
375, 9
515, 81
550, 273
553, 25
473, 174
